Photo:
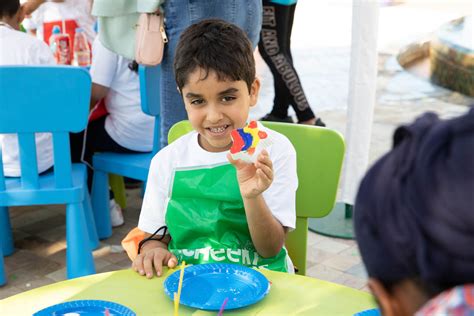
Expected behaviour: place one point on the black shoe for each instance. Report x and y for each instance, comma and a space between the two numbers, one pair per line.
132, 183
273, 118
319, 122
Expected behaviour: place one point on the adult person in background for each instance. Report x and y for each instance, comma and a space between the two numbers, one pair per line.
117, 33
67, 14
29, 6
18, 48
125, 128
414, 219
274, 47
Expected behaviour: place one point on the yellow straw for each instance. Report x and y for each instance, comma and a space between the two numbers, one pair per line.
180, 284
177, 296
176, 303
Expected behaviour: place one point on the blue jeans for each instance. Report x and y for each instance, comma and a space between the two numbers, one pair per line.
179, 14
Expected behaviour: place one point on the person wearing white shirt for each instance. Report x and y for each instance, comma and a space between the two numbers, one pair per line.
125, 128
74, 13
18, 48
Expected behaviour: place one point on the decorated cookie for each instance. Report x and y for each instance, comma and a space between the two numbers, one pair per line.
248, 142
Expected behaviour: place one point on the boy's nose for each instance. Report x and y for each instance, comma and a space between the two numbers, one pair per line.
214, 114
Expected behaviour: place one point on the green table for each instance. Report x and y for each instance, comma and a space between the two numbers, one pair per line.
289, 295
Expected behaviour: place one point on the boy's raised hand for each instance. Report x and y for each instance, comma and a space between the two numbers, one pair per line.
155, 257
253, 178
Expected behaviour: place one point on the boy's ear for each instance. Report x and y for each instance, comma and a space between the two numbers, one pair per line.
254, 91
388, 303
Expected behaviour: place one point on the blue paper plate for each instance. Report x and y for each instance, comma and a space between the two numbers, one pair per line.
206, 286
369, 312
86, 307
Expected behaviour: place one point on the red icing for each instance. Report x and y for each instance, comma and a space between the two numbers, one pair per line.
252, 124
262, 134
238, 142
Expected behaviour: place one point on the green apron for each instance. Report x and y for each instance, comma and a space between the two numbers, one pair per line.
206, 220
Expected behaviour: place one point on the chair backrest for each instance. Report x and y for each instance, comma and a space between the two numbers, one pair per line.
150, 97
37, 99
320, 152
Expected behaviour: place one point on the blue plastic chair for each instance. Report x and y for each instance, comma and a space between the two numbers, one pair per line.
134, 166
54, 99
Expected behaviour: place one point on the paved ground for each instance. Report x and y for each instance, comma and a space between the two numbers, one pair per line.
39, 232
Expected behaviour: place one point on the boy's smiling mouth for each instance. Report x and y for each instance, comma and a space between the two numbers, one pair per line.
218, 130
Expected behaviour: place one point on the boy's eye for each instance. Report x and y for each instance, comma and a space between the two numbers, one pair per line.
228, 98
197, 101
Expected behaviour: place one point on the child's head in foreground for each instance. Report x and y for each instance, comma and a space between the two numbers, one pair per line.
414, 214
215, 72
11, 12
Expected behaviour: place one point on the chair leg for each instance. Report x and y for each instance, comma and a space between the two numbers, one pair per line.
6, 236
117, 184
100, 204
91, 229
79, 259
3, 278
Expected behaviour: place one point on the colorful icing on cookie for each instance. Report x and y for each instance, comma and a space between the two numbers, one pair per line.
246, 139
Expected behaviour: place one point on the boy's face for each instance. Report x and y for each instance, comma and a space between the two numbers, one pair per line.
217, 107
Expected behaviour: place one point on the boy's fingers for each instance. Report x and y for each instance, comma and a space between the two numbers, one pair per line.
264, 158
236, 162
158, 263
263, 178
267, 171
138, 265
229, 157
148, 265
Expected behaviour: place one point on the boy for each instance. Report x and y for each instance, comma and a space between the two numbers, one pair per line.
18, 48
216, 211
414, 220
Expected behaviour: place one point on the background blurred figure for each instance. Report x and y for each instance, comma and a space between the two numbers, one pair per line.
274, 47
68, 14
179, 15
117, 32
414, 219
124, 128
18, 48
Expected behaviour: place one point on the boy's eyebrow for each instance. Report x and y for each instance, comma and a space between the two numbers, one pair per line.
190, 95
230, 90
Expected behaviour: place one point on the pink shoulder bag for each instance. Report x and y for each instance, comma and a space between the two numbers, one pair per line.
150, 39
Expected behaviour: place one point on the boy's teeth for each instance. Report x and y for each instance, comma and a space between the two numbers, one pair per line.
217, 129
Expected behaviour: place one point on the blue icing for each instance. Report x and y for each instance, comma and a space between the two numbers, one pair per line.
247, 137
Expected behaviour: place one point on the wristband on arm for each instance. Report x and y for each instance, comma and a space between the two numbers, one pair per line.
163, 234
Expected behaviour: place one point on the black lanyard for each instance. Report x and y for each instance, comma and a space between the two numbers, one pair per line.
165, 230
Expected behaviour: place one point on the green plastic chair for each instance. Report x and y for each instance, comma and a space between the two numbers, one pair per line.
320, 152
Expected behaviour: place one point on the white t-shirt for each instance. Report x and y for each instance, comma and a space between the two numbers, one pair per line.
126, 123
18, 48
186, 152
77, 10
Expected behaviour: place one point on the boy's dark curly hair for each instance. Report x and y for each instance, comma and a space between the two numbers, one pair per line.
214, 45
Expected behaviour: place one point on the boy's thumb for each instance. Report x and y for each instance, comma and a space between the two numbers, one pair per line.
236, 162
172, 262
